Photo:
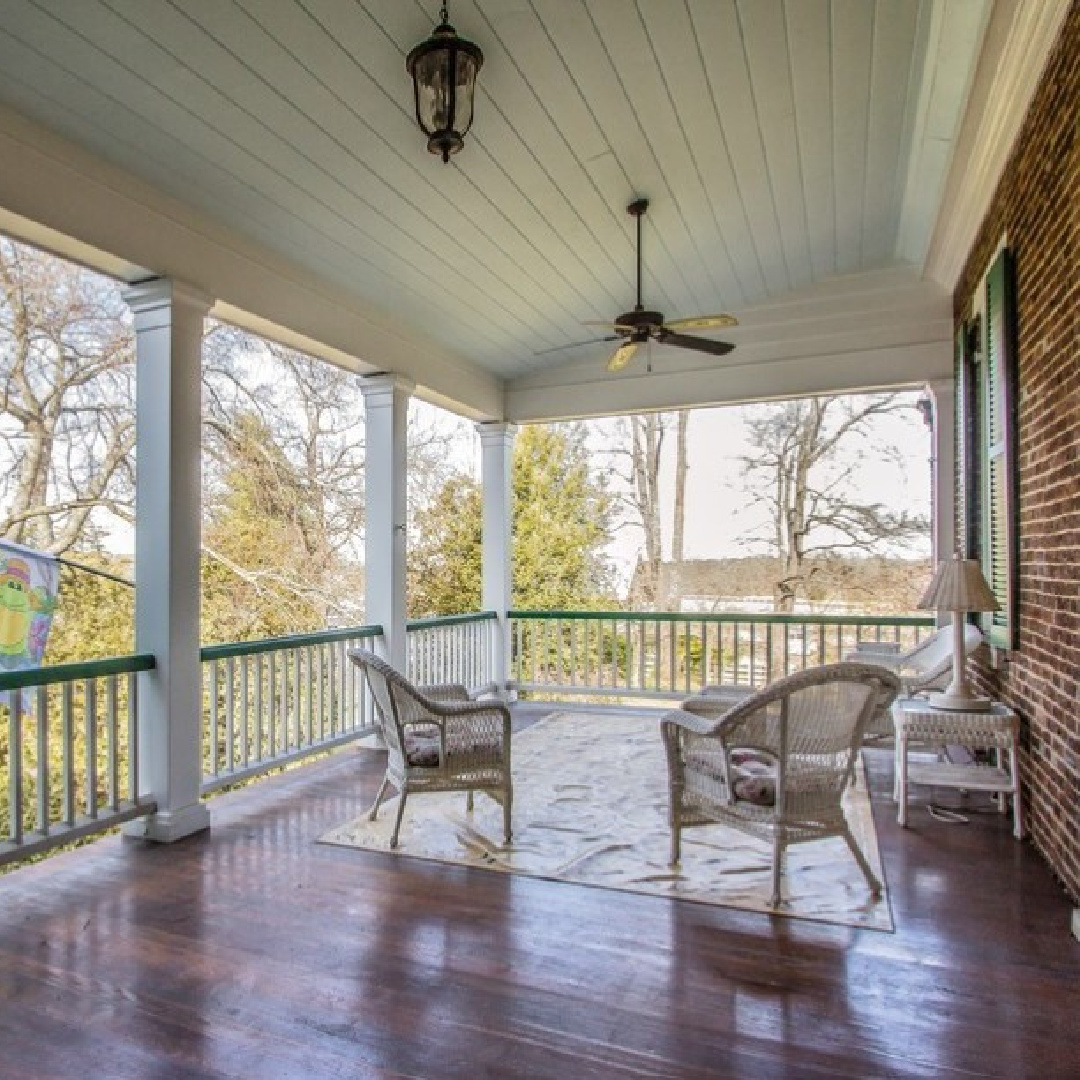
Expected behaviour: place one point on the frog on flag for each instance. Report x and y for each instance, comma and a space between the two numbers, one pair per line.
29, 583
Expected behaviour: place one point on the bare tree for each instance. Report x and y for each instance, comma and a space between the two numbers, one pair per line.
799, 474
67, 418
284, 441
647, 443
636, 447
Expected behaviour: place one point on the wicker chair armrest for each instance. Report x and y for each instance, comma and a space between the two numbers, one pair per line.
445, 692
465, 710
696, 723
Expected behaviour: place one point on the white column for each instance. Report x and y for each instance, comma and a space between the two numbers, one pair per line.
168, 358
497, 454
943, 465
386, 403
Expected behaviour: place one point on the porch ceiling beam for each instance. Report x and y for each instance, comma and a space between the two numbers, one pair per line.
58, 196
858, 370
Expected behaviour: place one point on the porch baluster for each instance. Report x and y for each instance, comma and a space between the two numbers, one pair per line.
42, 781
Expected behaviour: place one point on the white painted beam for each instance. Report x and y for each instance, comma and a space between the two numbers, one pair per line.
858, 371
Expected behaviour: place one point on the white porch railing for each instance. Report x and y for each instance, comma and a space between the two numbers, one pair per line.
271, 702
453, 649
68, 753
638, 654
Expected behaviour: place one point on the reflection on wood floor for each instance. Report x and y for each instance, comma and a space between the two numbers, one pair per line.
252, 951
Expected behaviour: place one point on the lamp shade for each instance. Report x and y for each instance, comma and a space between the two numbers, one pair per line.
958, 585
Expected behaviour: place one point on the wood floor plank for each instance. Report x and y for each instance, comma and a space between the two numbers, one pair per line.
253, 951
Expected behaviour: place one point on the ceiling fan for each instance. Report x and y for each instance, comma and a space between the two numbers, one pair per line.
639, 326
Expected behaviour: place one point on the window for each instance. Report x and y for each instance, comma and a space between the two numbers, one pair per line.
986, 399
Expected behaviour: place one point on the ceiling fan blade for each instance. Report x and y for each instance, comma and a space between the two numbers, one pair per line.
686, 341
702, 322
577, 344
622, 356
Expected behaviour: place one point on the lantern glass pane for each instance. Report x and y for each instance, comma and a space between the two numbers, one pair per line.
432, 81
466, 80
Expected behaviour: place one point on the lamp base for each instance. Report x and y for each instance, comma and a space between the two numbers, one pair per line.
957, 703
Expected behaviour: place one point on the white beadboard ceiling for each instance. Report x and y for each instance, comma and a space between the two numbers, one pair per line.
781, 142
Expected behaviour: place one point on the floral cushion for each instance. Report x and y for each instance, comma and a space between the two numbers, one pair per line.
753, 778
422, 747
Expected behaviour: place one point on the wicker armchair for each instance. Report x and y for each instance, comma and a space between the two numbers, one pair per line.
776, 764
438, 739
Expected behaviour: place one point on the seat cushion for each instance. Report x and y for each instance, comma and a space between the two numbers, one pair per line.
753, 777
422, 749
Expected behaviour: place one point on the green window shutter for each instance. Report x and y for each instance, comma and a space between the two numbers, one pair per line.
967, 464
997, 390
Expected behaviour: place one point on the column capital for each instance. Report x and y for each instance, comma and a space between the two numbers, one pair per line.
155, 294
496, 432
381, 389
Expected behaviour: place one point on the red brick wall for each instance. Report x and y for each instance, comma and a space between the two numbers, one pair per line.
1037, 207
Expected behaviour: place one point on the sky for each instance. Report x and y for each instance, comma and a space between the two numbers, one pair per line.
719, 518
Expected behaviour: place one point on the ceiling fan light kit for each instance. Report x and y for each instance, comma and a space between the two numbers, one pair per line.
443, 70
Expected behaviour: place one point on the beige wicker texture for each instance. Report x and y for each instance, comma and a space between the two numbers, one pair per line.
928, 666
437, 739
810, 724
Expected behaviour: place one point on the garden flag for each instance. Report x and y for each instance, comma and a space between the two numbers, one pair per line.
29, 582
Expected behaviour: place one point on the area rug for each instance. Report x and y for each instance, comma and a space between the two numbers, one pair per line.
590, 807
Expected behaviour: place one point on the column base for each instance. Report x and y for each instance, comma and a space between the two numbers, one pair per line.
167, 826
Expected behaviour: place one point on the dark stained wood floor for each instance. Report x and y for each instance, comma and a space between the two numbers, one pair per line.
252, 951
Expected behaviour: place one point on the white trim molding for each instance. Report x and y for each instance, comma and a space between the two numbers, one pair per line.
1018, 42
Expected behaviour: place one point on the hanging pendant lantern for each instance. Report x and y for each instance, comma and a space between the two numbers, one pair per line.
443, 71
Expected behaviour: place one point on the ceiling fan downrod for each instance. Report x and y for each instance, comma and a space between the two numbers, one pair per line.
637, 210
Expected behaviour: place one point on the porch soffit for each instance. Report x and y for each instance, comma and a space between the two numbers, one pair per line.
264, 151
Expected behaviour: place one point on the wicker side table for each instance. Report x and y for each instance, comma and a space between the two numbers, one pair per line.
997, 729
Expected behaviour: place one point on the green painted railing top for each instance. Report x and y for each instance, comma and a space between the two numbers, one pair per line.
288, 641
730, 617
86, 669
450, 620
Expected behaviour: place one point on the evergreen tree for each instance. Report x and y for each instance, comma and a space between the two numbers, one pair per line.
561, 517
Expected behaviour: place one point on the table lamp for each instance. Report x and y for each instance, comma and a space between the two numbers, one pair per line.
958, 586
